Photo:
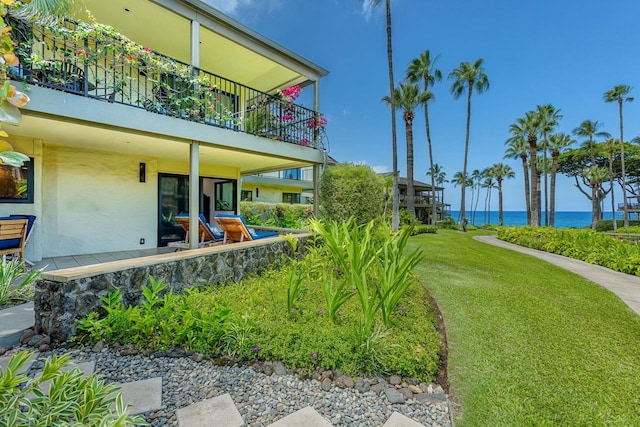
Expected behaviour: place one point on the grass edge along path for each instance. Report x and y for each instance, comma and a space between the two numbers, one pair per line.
529, 342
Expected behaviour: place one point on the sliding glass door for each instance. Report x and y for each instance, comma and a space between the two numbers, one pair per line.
216, 195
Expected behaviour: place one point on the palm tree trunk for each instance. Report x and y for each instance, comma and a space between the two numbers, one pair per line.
466, 153
552, 190
500, 216
473, 214
613, 201
411, 192
546, 196
535, 181
595, 206
527, 191
395, 207
434, 207
624, 171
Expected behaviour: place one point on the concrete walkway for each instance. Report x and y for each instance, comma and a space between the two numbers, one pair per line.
625, 286
13, 321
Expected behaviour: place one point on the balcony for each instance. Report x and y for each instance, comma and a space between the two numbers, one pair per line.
94, 61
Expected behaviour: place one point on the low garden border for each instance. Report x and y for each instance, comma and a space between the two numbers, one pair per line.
64, 296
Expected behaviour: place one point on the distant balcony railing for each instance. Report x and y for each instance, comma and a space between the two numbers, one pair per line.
630, 206
95, 61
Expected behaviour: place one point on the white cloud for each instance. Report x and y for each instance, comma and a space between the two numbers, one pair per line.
229, 7
367, 9
381, 169
235, 7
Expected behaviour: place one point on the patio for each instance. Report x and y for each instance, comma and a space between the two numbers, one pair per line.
62, 262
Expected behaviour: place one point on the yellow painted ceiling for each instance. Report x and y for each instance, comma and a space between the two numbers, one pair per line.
151, 25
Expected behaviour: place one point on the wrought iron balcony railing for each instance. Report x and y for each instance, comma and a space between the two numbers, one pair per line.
95, 61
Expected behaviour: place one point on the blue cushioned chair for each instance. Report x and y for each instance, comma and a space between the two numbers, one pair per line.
208, 235
235, 229
18, 242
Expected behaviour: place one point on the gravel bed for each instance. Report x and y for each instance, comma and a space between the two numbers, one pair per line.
261, 399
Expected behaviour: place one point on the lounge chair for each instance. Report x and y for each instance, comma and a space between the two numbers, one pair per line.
236, 230
208, 235
13, 235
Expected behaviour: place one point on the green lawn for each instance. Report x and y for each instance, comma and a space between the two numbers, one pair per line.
530, 343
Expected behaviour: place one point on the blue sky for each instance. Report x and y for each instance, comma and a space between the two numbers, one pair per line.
566, 53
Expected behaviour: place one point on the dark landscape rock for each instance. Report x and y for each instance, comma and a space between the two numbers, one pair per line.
394, 396
279, 369
362, 386
344, 381
34, 340
395, 380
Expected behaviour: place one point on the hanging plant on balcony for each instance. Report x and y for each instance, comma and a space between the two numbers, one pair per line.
11, 99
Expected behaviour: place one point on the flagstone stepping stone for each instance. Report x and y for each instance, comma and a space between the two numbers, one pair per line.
219, 411
307, 417
142, 396
398, 420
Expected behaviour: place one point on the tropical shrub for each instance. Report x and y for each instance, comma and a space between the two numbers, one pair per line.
16, 281
631, 229
583, 244
424, 229
283, 215
192, 321
349, 190
607, 225
447, 224
72, 398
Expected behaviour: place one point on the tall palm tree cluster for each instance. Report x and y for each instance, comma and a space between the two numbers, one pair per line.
408, 96
534, 141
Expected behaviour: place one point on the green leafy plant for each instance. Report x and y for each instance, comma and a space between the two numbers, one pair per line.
295, 286
72, 398
15, 280
394, 272
335, 297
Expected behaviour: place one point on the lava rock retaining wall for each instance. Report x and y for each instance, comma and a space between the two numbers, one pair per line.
60, 301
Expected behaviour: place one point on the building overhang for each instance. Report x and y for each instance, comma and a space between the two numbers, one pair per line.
76, 121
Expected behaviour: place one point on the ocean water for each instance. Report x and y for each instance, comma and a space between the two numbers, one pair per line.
565, 219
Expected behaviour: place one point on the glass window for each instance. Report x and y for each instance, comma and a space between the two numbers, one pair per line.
290, 198
16, 183
292, 174
225, 194
246, 196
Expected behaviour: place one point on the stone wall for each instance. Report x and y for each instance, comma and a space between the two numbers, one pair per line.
60, 301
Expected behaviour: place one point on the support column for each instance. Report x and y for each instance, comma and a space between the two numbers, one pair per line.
194, 193
316, 190
316, 168
195, 44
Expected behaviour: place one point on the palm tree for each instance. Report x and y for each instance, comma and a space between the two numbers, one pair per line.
619, 94
45, 11
458, 179
468, 77
549, 118
528, 127
558, 142
610, 146
489, 184
517, 147
501, 172
395, 206
589, 129
440, 177
406, 98
596, 176
422, 68
476, 177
